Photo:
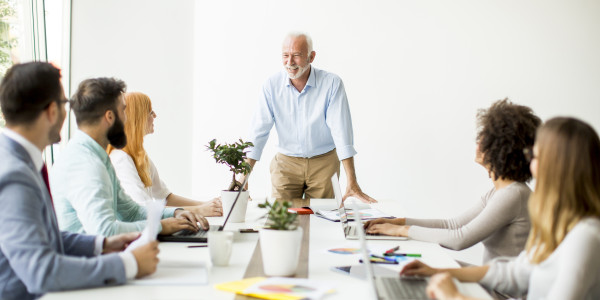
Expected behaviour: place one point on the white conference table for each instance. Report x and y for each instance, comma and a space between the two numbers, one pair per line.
323, 235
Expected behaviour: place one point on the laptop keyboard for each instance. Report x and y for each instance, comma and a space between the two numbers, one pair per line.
354, 232
396, 288
200, 233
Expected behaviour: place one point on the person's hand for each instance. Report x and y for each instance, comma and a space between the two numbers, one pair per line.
147, 258
119, 242
416, 267
395, 221
388, 229
442, 287
212, 208
195, 219
355, 191
172, 225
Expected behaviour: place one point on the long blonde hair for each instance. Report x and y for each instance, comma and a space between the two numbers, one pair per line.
568, 183
138, 107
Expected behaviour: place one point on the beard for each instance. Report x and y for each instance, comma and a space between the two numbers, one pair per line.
301, 70
116, 134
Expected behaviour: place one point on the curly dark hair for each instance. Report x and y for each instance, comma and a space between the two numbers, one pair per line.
503, 131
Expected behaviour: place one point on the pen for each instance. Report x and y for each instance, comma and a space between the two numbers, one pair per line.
198, 246
384, 258
403, 254
379, 261
393, 249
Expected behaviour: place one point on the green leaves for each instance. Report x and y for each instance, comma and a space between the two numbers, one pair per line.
233, 156
279, 216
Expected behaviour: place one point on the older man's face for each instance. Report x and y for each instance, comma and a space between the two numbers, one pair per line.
296, 59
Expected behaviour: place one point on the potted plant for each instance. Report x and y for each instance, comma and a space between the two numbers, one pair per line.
233, 156
280, 240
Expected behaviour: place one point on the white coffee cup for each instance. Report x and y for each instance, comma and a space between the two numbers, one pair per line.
219, 246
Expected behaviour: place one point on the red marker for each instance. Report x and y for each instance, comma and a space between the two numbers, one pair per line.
393, 249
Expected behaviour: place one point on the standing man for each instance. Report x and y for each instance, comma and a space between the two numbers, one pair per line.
87, 192
311, 114
35, 257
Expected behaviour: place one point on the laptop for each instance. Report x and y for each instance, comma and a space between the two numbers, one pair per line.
350, 230
201, 236
389, 287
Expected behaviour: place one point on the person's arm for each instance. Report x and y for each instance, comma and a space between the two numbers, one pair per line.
92, 198
467, 274
352, 188
577, 272
339, 122
29, 246
262, 122
499, 211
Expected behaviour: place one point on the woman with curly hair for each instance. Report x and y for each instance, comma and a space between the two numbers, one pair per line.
136, 171
561, 257
500, 220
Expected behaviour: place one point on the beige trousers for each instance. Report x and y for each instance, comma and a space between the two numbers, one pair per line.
293, 177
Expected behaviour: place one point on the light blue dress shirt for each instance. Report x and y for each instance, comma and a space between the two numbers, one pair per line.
308, 123
87, 194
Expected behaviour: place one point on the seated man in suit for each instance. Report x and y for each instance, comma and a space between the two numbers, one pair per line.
87, 193
35, 257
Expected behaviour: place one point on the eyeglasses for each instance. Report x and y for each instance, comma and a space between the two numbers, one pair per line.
528, 153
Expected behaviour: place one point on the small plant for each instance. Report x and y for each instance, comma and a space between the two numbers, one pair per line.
279, 216
232, 155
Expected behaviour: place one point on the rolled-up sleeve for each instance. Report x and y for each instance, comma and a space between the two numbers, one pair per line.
261, 125
339, 121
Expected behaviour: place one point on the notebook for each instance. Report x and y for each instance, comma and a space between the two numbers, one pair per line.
202, 235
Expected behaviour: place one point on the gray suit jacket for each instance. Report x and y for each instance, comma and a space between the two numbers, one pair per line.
35, 257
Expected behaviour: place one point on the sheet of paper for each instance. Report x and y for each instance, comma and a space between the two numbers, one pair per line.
301, 287
154, 211
176, 273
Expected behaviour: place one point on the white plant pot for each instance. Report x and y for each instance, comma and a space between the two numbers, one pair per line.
280, 251
239, 212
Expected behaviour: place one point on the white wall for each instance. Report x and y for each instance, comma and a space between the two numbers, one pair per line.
415, 73
149, 45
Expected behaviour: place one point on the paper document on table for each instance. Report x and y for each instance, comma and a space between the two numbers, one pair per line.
176, 273
154, 211
367, 214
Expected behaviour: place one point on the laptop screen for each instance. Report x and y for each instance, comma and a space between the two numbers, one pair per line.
337, 191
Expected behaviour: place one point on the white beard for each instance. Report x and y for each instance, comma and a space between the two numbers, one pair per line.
301, 70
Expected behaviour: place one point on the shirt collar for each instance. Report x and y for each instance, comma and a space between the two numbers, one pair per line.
312, 81
87, 141
32, 150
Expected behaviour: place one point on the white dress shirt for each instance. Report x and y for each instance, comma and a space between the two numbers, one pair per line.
308, 123
36, 156
131, 181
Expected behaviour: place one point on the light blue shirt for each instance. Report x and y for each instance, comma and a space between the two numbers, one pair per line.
308, 123
87, 194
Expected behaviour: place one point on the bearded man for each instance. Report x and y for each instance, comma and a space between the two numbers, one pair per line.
87, 194
310, 111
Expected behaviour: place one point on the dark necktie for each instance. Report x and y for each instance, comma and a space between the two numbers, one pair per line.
45, 177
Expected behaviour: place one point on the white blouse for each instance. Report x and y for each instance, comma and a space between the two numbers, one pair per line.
572, 271
131, 181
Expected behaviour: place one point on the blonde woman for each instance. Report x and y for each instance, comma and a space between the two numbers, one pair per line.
561, 258
136, 171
